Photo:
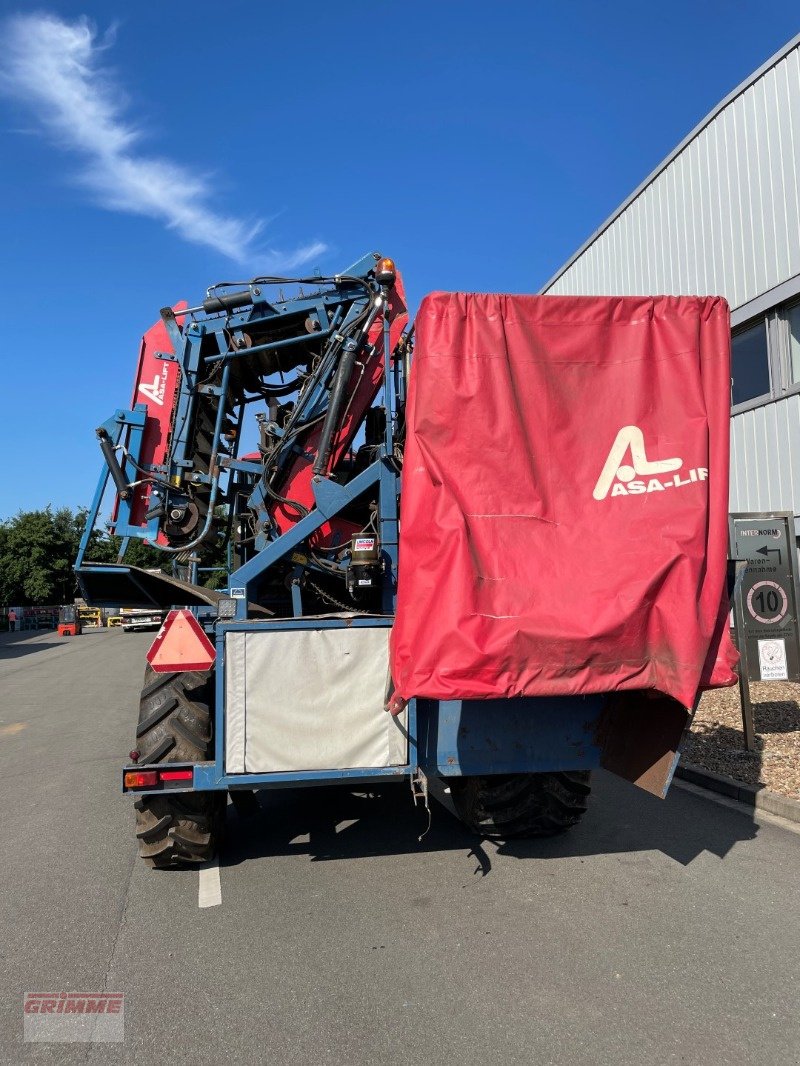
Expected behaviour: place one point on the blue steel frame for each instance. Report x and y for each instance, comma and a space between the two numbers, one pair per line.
115, 428
507, 736
187, 344
445, 738
330, 498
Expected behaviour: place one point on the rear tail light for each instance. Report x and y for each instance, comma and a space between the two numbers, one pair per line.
141, 778
153, 778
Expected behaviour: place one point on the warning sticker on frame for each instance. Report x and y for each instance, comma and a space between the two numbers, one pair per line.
772, 660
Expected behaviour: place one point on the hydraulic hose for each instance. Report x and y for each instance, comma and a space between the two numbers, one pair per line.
350, 349
338, 388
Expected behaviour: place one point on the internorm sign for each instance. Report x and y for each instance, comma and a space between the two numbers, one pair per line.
766, 597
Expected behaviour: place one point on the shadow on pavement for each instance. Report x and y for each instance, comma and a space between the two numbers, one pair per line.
13, 645
332, 823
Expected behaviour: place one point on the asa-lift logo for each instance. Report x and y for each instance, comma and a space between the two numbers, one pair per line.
155, 390
640, 475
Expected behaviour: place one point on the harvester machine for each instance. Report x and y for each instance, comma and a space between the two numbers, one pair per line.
270, 425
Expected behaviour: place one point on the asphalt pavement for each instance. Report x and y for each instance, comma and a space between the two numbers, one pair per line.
656, 932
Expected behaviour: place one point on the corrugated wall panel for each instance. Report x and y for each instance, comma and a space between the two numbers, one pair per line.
744, 201
792, 449
769, 465
788, 80
692, 210
721, 216
765, 453
740, 497
777, 186
735, 494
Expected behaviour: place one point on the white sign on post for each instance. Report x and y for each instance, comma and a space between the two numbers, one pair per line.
772, 660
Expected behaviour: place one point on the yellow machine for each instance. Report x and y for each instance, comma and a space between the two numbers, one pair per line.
90, 617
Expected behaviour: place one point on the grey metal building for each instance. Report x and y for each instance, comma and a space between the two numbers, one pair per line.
721, 216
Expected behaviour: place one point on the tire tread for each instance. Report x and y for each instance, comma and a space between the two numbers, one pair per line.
175, 725
507, 806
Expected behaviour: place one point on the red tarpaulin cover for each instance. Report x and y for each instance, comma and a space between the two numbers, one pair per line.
565, 498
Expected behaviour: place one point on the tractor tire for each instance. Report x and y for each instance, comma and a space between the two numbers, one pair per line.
508, 806
179, 830
175, 725
174, 717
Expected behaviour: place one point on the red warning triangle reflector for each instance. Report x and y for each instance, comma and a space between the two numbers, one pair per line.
181, 644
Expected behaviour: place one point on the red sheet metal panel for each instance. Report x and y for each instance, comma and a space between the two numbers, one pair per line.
156, 385
564, 498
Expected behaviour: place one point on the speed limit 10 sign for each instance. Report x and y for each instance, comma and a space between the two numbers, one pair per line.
766, 595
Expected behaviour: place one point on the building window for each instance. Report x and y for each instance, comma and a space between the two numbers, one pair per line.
750, 359
793, 321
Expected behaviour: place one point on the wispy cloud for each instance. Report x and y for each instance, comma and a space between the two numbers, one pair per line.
54, 68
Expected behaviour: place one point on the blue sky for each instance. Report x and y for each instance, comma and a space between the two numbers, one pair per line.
151, 149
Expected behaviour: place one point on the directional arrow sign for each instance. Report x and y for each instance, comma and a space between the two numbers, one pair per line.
180, 645
766, 552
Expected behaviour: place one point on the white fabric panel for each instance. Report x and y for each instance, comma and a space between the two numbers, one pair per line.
235, 662
310, 700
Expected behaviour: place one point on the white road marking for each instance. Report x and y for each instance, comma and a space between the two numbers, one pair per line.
209, 889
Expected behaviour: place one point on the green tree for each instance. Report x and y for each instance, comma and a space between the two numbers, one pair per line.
37, 552
105, 547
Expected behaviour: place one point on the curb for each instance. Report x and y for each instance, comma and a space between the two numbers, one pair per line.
750, 795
